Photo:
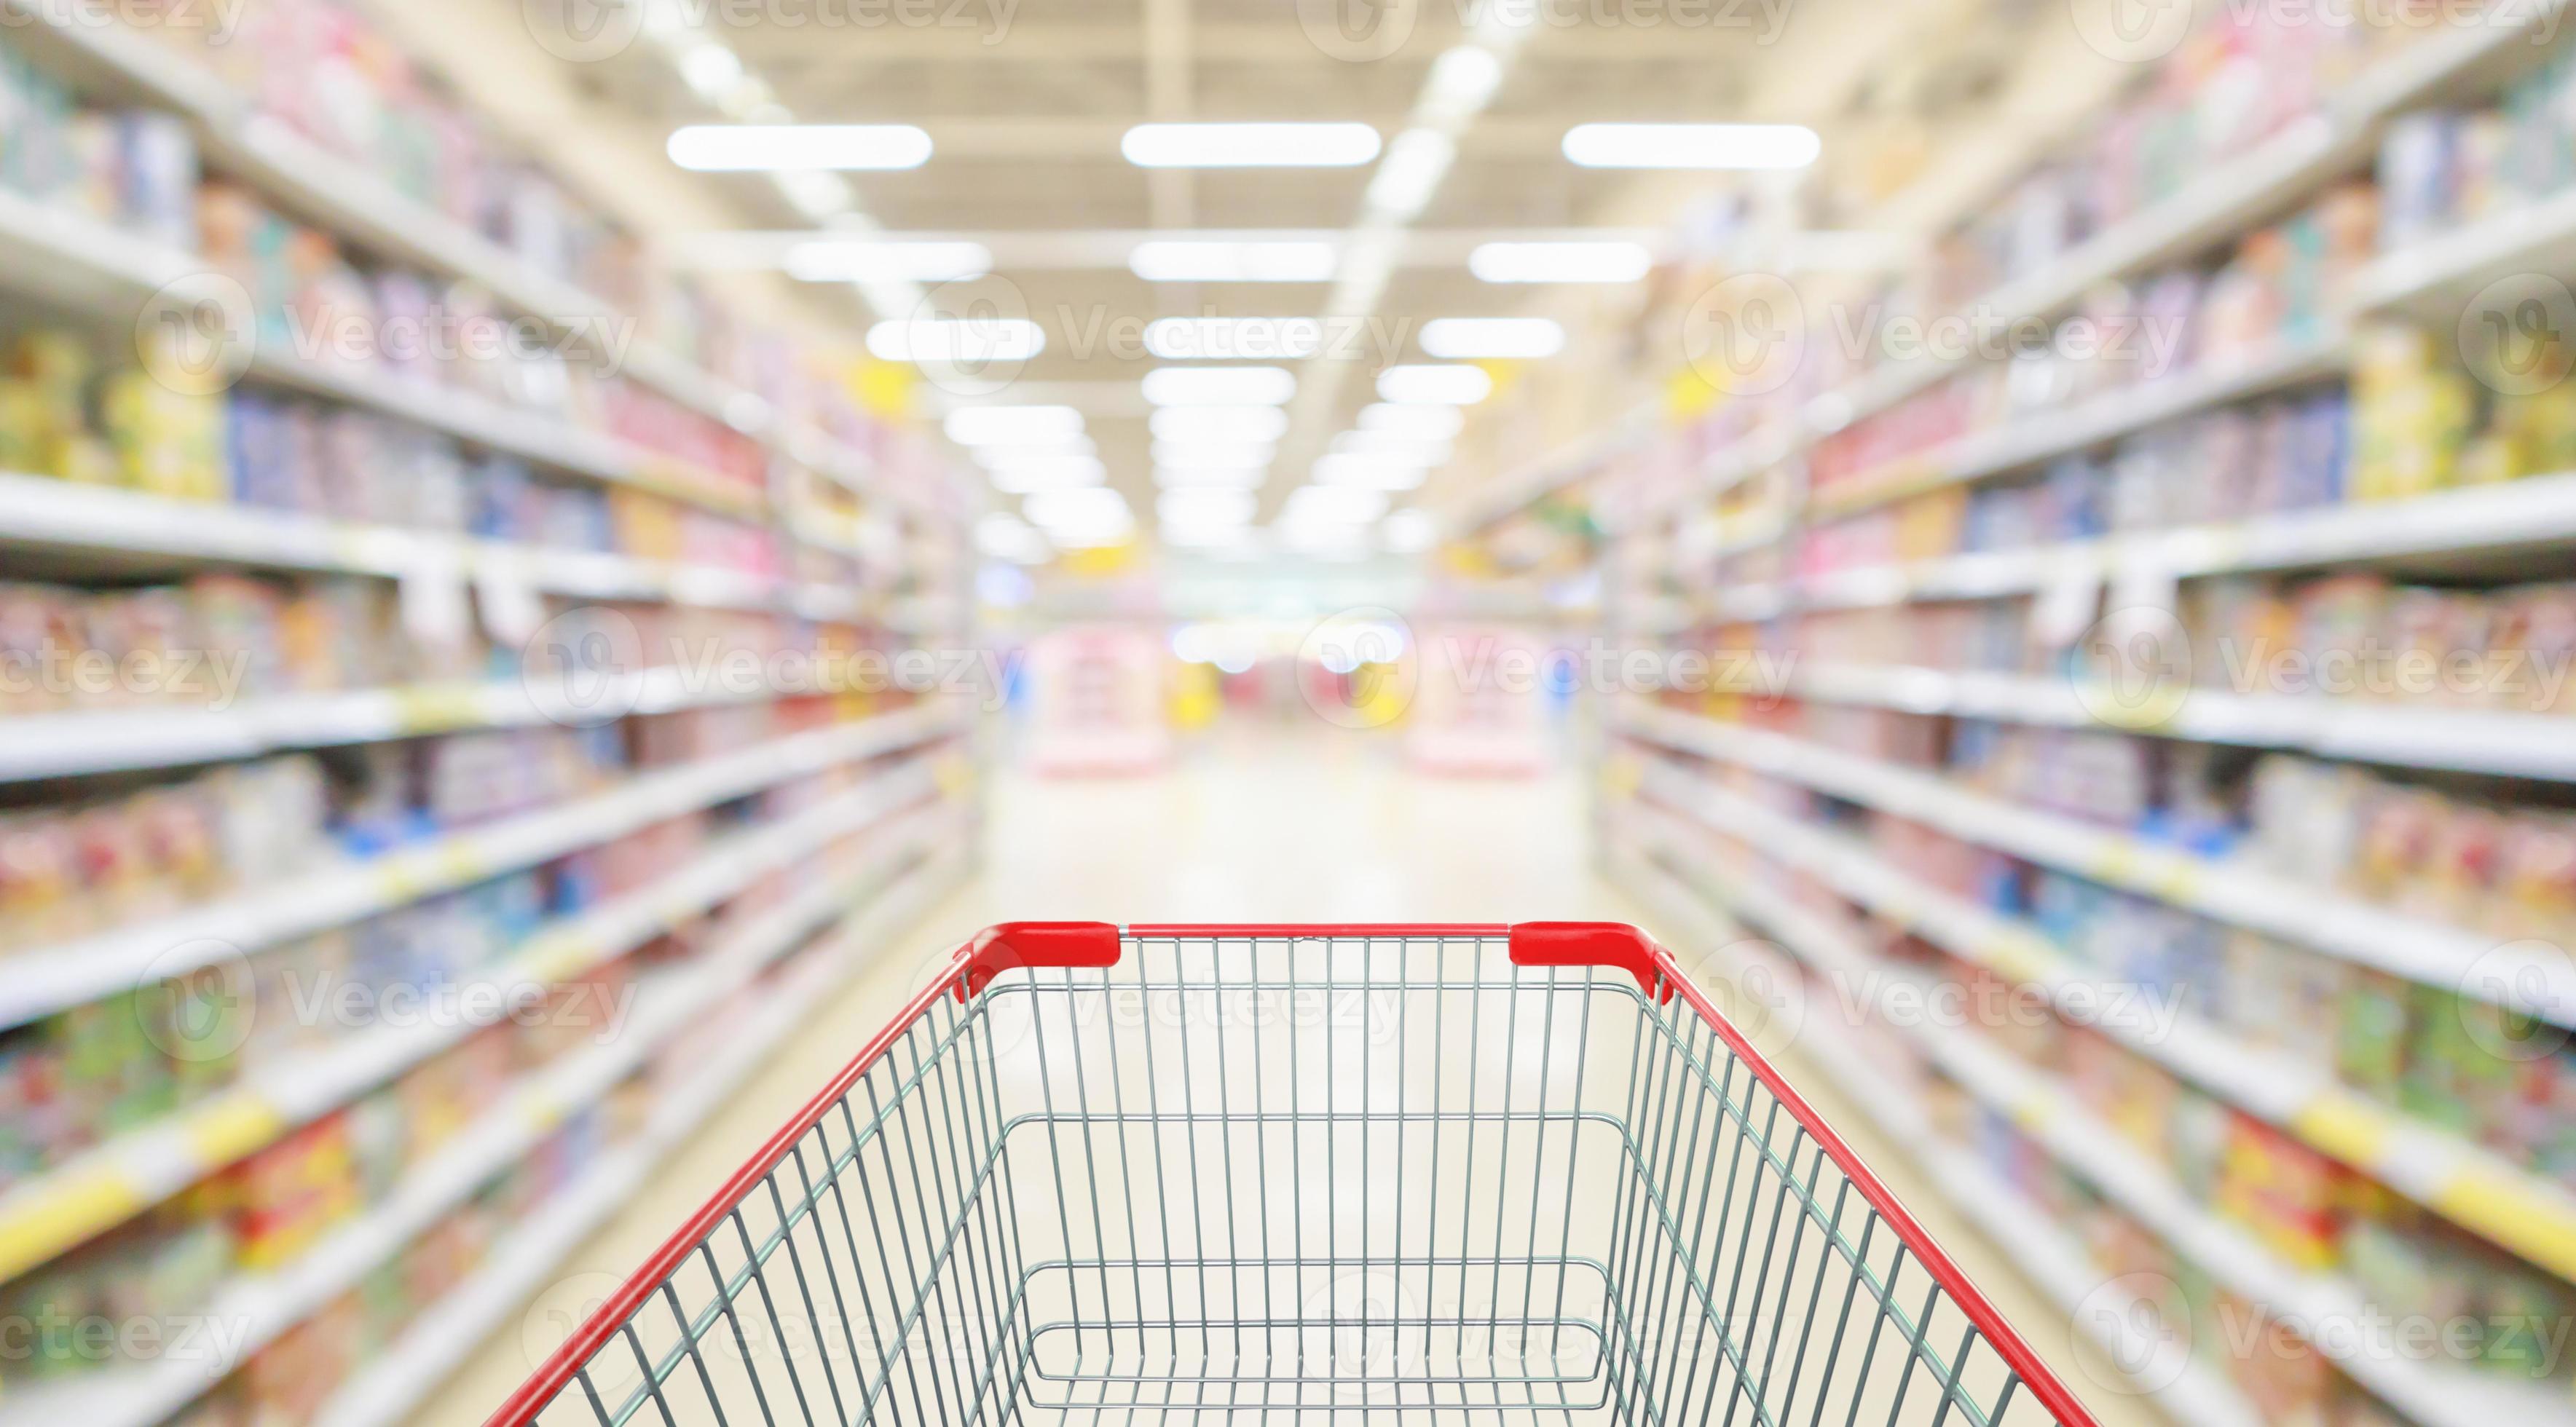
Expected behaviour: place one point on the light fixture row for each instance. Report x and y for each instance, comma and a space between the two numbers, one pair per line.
846, 148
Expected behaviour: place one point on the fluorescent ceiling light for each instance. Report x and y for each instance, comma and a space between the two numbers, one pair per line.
1063, 473
767, 148
1325, 145
1429, 423
1220, 386
1367, 473
961, 340
1234, 424
1205, 507
1462, 79
1406, 450
816, 194
1706, 146
1012, 425
1004, 536
1178, 260
710, 70
888, 262
1203, 537
1415, 164
994, 457
1333, 505
1325, 538
1080, 511
1472, 338
1434, 386
1409, 532
1214, 453
1224, 478
1560, 262
1220, 339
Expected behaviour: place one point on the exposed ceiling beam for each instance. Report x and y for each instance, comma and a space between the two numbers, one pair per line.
1236, 42
1075, 249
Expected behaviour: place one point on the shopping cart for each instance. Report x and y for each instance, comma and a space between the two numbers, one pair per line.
1431, 1172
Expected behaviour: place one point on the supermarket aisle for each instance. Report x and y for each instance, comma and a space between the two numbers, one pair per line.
1315, 829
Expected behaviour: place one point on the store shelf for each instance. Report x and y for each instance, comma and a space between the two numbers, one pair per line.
2534, 238
72, 744
119, 1179
2369, 935
2055, 1263
42, 981
70, 260
415, 1364
2038, 439
2514, 745
2328, 1311
36, 511
2231, 197
2477, 520
260, 1307
345, 196
1496, 499
2463, 1181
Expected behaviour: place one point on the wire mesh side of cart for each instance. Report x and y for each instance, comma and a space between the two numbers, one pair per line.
1280, 1175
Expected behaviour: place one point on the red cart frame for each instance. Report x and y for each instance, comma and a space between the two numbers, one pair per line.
1250, 1170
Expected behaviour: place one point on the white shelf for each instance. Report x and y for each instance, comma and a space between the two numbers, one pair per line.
70, 259
2054, 1263
261, 1307
115, 1181
1555, 471
49, 979
348, 198
2369, 935
2230, 197
70, 744
2326, 1310
2035, 440
2475, 520
2463, 1181
384, 1393
56, 514
2517, 745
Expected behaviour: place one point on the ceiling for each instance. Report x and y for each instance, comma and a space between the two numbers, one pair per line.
1026, 102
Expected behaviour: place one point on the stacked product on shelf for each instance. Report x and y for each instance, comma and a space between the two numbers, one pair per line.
438, 894
2178, 685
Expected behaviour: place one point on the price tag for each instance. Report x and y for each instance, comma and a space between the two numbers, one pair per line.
435, 609
512, 610
2066, 602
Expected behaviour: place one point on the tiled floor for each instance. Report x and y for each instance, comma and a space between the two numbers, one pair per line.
1318, 829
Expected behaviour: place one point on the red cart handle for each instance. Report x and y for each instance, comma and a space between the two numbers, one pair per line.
1016, 945
1011, 946
1592, 944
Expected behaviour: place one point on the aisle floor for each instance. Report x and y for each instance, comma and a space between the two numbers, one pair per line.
1320, 828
